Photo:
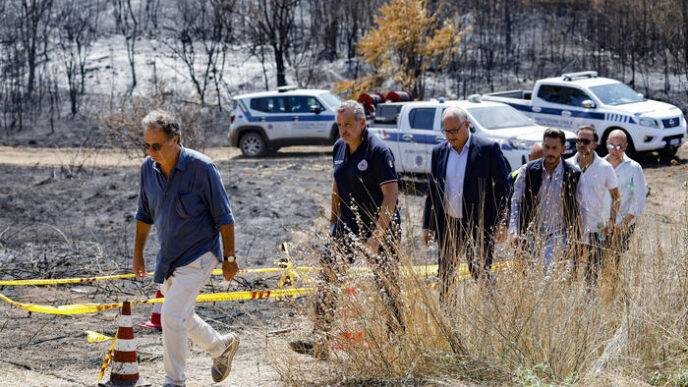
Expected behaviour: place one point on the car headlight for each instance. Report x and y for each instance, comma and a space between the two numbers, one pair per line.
520, 144
649, 122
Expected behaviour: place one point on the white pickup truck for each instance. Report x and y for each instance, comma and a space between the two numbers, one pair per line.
419, 129
583, 98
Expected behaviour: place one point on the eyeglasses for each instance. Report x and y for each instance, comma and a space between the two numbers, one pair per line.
452, 131
614, 147
156, 146
584, 141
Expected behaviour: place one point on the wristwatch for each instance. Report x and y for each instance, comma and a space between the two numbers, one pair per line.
229, 258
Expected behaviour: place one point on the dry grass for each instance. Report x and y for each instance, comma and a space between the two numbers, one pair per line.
526, 329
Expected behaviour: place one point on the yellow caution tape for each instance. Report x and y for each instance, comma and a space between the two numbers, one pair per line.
64, 281
107, 360
75, 309
95, 337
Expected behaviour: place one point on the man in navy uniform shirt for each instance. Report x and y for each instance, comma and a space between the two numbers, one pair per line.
182, 194
364, 219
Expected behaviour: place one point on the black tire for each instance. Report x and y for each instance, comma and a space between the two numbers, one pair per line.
252, 144
630, 149
334, 135
667, 154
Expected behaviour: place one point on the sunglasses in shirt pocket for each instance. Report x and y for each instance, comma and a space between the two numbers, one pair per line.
188, 205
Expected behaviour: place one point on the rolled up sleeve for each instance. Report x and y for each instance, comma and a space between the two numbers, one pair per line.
216, 198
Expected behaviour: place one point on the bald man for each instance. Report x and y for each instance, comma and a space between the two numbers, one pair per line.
632, 191
468, 188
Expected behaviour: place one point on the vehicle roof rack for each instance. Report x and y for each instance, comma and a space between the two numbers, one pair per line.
580, 75
282, 89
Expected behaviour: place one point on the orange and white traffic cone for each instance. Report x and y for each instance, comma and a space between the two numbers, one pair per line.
352, 329
154, 322
125, 365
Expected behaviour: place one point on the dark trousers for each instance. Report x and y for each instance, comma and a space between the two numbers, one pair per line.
335, 262
462, 239
592, 248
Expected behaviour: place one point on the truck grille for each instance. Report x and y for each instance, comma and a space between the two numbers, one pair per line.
671, 122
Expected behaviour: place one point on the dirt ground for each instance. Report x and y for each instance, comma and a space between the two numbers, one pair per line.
69, 212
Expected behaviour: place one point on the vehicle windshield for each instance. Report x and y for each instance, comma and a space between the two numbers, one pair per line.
331, 100
616, 94
499, 117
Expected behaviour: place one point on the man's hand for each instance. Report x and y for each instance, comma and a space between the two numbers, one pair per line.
229, 269
139, 266
426, 237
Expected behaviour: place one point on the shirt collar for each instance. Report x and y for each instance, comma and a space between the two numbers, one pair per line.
182, 161
465, 146
558, 170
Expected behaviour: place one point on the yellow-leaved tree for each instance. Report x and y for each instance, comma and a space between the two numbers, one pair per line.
405, 43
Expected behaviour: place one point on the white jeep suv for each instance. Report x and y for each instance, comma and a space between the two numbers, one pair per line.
266, 121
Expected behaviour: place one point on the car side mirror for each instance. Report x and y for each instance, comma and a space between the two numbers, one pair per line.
316, 109
588, 104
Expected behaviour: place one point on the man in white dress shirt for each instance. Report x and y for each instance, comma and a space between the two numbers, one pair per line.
632, 188
597, 180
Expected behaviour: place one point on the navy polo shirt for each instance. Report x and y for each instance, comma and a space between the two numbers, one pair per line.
359, 176
187, 209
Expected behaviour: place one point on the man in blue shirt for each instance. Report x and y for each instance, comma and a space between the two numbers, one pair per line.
183, 195
364, 220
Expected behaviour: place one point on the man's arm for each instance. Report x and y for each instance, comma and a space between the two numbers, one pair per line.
138, 264
616, 202
229, 269
390, 193
639, 197
334, 209
515, 212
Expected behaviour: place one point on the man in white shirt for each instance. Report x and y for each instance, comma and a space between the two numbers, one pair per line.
632, 188
597, 180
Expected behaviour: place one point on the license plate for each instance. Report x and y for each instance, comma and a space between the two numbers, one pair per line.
675, 141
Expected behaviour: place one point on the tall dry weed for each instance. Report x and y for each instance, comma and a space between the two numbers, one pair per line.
527, 327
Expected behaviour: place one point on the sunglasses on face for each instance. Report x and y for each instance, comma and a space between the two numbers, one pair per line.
614, 147
156, 146
584, 141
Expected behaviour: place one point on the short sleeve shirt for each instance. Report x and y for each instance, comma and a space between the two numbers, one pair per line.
595, 183
359, 177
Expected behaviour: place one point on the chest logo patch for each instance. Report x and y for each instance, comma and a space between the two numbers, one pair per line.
363, 165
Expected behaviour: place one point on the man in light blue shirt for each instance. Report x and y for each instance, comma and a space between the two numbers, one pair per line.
183, 196
456, 170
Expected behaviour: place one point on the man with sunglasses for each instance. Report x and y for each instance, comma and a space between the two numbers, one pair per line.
597, 180
632, 188
182, 194
468, 189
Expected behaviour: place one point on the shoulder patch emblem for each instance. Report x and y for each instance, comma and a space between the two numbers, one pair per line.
363, 165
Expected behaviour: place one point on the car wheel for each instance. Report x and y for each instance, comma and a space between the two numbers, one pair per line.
666, 155
252, 144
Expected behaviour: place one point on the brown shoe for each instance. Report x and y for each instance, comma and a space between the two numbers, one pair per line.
316, 349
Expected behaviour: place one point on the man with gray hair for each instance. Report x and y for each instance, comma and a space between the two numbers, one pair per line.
632, 191
468, 190
182, 194
364, 220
